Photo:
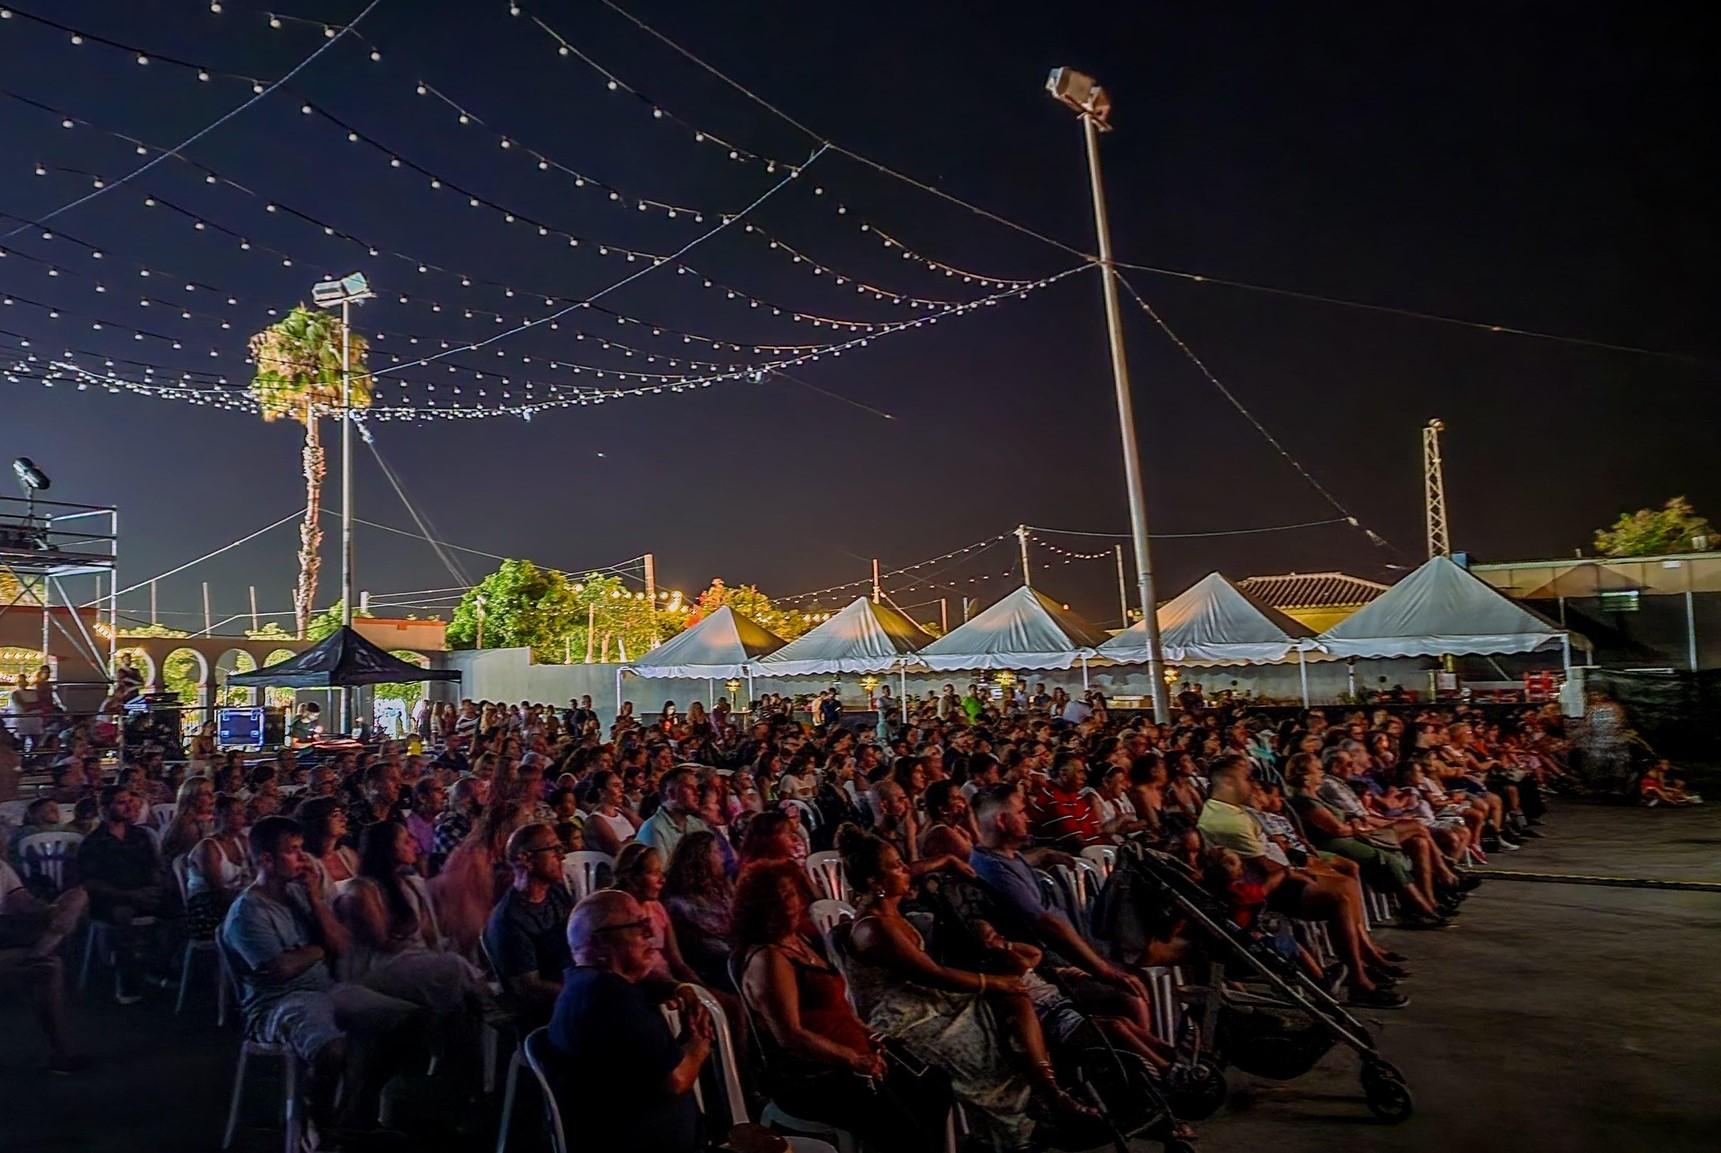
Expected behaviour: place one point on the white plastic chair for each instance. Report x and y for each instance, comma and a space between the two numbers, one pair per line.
292, 1110
1103, 858
1162, 990
827, 913
45, 855
161, 816
193, 946
536, 1049
729, 1074
826, 871
580, 871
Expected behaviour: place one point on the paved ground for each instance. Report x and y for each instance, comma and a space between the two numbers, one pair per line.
1557, 1017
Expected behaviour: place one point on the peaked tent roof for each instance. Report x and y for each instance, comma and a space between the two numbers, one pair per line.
721, 645
1214, 622
1025, 630
342, 658
863, 638
1441, 610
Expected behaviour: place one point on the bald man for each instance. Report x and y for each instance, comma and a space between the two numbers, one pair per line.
616, 1050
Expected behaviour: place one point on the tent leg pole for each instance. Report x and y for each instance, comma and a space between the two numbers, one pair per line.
904, 672
1303, 675
750, 693
618, 673
710, 693
1084, 673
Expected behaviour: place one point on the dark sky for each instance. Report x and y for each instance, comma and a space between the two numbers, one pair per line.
1540, 166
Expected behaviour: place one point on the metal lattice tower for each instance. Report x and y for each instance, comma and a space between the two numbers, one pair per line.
1434, 489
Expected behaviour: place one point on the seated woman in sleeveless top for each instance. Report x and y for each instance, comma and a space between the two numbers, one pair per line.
821, 1063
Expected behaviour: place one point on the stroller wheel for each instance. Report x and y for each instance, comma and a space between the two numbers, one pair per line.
1196, 1091
1388, 1096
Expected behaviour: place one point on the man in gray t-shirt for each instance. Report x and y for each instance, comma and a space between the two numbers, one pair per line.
278, 937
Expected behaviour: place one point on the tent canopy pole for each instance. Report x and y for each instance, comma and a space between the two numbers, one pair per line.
1303, 675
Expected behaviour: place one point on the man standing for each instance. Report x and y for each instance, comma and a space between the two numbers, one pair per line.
616, 1050
526, 936
675, 817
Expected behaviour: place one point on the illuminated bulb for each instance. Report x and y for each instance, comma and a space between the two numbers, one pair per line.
142, 59
352, 137
464, 119
257, 87
202, 75
274, 21
328, 32
215, 6
375, 56
40, 171
76, 39
67, 123
612, 85
421, 90
543, 165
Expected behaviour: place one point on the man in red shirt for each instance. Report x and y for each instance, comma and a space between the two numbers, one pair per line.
1061, 816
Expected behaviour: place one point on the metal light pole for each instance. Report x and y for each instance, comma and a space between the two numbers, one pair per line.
345, 292
1080, 92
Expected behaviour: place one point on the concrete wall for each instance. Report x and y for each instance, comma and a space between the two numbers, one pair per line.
510, 675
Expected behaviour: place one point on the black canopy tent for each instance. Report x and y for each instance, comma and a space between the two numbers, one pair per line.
343, 659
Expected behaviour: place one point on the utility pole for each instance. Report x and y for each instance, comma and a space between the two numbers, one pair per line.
254, 625
1093, 105
1022, 540
591, 631
877, 593
346, 292
1122, 589
206, 625
152, 603
651, 594
1434, 489
478, 603
943, 615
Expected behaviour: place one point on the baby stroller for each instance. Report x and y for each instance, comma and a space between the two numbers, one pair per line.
1121, 1085
1278, 1028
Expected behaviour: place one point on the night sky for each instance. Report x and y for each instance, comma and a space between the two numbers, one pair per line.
1548, 167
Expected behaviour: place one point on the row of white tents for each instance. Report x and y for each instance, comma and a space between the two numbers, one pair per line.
1438, 610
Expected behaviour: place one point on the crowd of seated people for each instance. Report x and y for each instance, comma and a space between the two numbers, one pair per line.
373, 899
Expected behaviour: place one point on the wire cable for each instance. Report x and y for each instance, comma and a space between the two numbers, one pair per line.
206, 556
108, 187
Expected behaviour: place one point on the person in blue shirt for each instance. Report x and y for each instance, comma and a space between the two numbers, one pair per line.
616, 1055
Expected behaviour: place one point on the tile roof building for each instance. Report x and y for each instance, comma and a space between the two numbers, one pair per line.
1319, 600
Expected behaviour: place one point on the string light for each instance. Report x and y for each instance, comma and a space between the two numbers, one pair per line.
1069, 555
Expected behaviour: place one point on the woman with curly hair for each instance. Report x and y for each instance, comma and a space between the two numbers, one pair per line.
697, 892
821, 1062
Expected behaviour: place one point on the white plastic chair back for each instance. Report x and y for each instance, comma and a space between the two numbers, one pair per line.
181, 877
14, 812
536, 1044
728, 1065
827, 913
826, 870
161, 816
580, 871
809, 815
1103, 858
46, 854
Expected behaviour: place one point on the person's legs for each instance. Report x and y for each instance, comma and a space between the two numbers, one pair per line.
379, 1030
306, 1023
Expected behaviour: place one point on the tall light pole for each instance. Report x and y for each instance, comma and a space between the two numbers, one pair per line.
344, 293
1079, 91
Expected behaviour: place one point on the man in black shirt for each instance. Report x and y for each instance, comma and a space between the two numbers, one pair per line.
526, 936
120, 868
616, 1050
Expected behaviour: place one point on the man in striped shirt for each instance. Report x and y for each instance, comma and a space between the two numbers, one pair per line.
1061, 817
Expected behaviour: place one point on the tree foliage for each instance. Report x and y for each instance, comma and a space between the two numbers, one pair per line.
751, 603
1673, 528
298, 376
524, 606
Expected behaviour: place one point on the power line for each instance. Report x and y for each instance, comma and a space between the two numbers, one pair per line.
204, 131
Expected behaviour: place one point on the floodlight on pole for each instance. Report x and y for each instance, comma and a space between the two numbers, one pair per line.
343, 294
1092, 104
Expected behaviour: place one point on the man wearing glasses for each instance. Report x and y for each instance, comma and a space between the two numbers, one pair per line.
616, 1050
526, 936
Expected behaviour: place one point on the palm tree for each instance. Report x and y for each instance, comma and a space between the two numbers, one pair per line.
298, 376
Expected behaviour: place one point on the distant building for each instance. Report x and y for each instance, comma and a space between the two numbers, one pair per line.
1319, 600
1639, 612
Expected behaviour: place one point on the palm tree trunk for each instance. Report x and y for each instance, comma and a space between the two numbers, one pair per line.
311, 531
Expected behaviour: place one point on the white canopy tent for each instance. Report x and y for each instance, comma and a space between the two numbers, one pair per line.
1442, 610
862, 638
1213, 622
1025, 630
724, 645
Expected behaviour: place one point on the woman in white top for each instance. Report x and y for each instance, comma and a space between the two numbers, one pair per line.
217, 867
397, 945
325, 823
611, 823
1111, 801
